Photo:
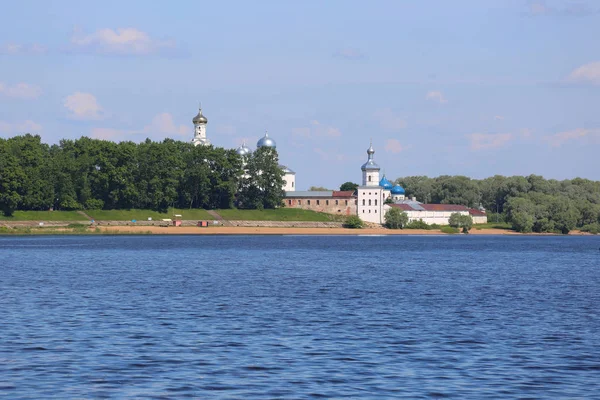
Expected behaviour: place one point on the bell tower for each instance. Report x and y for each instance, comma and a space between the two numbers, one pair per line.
370, 169
200, 122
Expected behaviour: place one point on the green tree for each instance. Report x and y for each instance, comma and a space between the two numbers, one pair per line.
11, 180
353, 222
520, 213
395, 218
262, 186
318, 189
461, 221
349, 186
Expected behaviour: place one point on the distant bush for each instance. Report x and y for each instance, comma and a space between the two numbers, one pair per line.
420, 224
591, 228
395, 219
353, 222
449, 229
460, 221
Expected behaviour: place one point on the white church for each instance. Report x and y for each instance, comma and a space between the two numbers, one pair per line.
200, 139
377, 196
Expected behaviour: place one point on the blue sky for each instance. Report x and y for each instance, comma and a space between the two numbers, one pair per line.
476, 88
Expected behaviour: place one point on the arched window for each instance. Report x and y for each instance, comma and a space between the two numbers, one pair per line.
369, 201
369, 178
375, 201
363, 202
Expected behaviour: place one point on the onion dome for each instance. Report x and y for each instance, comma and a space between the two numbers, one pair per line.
243, 150
384, 183
397, 190
266, 141
370, 165
286, 170
199, 118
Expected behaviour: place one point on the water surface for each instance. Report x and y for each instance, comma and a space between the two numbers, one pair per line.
299, 317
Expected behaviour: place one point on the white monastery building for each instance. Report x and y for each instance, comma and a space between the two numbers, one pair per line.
377, 196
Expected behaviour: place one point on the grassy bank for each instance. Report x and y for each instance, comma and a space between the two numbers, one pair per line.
44, 216
71, 229
280, 214
493, 225
143, 215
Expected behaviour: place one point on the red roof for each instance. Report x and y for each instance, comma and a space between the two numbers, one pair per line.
404, 207
345, 193
476, 212
444, 207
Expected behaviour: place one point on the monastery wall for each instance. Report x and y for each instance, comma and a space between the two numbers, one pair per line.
330, 206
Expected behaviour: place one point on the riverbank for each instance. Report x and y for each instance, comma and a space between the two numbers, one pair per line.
239, 230
76, 229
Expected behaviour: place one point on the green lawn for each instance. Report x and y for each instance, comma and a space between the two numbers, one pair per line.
493, 225
44, 216
280, 214
143, 215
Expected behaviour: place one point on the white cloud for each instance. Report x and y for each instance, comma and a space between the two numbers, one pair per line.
560, 138
83, 106
393, 146
122, 41
21, 91
526, 133
436, 95
539, 8
481, 141
389, 121
568, 9
317, 130
588, 73
16, 48
161, 126
109, 133
498, 118
20, 127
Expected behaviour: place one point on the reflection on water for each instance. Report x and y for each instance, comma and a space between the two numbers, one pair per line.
299, 317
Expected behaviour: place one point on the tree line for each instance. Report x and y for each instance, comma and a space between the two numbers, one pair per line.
529, 204
97, 174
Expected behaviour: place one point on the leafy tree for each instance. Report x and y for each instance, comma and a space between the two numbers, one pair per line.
395, 218
461, 221
11, 180
353, 222
349, 186
317, 189
262, 186
521, 214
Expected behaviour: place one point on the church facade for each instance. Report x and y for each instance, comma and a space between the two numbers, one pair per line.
375, 197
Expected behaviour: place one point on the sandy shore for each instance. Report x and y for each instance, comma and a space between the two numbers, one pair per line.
222, 230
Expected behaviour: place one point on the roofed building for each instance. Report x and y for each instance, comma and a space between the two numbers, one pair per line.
327, 201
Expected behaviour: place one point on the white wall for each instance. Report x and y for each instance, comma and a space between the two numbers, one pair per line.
372, 209
290, 182
430, 217
370, 178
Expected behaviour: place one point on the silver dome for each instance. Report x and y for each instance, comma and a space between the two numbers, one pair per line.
243, 150
266, 141
200, 118
370, 165
286, 170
